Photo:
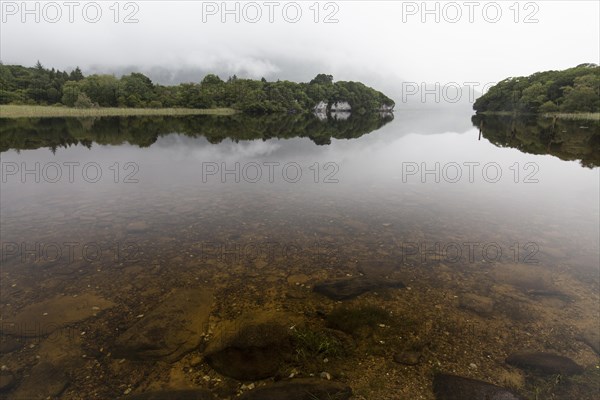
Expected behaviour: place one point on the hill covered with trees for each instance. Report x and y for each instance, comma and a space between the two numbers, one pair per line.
42, 86
571, 91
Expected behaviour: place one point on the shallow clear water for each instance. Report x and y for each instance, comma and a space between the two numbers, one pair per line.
262, 210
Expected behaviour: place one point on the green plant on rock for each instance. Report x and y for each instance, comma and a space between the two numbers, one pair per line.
310, 343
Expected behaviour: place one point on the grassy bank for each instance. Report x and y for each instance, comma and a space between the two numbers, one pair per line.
574, 116
18, 111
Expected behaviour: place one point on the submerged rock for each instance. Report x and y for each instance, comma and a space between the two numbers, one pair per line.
301, 389
408, 357
187, 394
7, 381
348, 288
591, 337
451, 387
43, 318
545, 363
8, 344
357, 321
246, 364
483, 306
171, 330
44, 381
249, 351
529, 278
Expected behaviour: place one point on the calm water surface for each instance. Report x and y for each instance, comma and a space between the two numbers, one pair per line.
494, 233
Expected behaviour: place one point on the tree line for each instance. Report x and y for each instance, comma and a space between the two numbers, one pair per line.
42, 86
572, 90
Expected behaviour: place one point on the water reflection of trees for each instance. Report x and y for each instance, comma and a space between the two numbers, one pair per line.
566, 139
53, 133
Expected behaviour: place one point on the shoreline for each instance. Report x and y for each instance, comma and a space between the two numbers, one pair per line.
10, 111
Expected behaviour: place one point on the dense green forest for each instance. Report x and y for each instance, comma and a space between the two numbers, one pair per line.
39, 85
572, 90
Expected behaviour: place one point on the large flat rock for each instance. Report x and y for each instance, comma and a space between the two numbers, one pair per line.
451, 387
545, 363
45, 380
254, 352
301, 389
175, 327
252, 346
46, 317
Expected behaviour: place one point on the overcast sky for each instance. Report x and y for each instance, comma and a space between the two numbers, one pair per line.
379, 42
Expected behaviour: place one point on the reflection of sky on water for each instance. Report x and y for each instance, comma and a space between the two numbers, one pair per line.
370, 174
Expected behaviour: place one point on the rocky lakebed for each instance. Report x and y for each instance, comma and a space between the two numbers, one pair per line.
368, 331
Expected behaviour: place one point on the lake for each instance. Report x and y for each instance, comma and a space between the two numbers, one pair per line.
138, 253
